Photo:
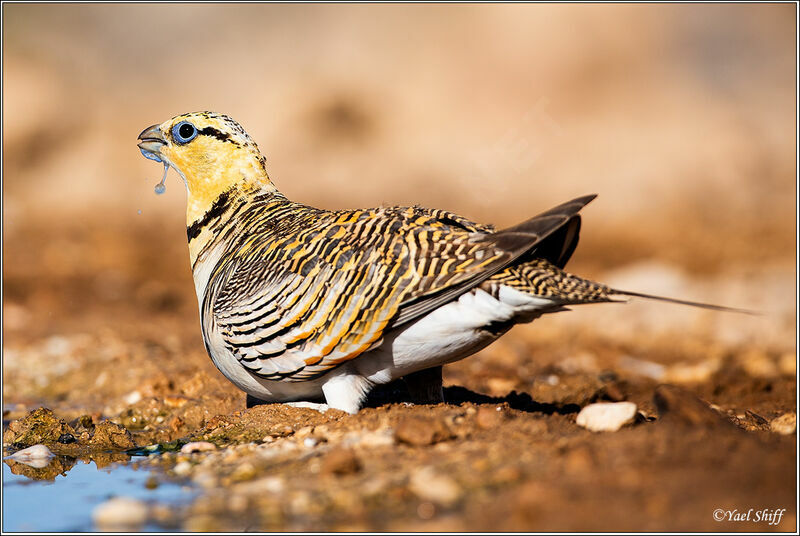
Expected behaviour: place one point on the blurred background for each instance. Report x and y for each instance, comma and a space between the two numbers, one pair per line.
681, 118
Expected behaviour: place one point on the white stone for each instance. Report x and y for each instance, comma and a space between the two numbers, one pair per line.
429, 485
606, 416
120, 512
37, 456
132, 397
378, 438
183, 468
36, 452
785, 424
198, 446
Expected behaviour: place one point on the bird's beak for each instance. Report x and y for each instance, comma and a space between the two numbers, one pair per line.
152, 140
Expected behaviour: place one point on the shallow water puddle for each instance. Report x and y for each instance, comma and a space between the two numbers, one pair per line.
65, 503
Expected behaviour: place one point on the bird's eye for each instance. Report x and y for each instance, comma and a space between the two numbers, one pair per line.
184, 132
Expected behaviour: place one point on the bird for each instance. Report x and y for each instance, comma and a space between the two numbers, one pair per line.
299, 304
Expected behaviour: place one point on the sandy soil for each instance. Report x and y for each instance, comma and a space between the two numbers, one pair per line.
504, 453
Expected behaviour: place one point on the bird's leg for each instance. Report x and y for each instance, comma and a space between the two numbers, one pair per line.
346, 391
251, 401
425, 386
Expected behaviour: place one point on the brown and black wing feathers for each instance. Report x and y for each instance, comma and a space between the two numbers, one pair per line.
515, 241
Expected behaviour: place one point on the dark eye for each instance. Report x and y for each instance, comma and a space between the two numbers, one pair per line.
184, 132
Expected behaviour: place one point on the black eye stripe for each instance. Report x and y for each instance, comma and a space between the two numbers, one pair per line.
222, 136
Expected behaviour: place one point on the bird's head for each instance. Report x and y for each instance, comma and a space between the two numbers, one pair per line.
210, 151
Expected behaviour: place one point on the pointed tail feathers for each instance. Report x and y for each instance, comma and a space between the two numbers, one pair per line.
685, 302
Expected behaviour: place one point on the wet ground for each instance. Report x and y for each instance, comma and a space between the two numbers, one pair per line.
121, 365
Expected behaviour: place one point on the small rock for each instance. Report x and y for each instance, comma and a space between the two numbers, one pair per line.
785, 424
175, 401
606, 416
39, 426
310, 442
205, 479
182, 468
488, 418
36, 452
377, 438
132, 397
691, 373
679, 405
66, 439
120, 513
428, 485
305, 431
245, 471
111, 435
341, 461
198, 446
421, 431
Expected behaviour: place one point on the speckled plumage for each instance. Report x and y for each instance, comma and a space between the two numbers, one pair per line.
297, 302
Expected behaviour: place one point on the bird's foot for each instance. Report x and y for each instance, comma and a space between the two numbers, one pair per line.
322, 408
252, 401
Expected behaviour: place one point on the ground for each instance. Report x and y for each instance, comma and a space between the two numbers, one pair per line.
504, 452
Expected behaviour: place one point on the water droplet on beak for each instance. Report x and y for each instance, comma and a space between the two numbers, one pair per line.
160, 188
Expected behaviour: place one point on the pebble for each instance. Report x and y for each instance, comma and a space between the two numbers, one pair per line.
488, 418
691, 373
245, 471
421, 431
785, 424
606, 416
120, 513
132, 397
36, 452
341, 461
198, 446
205, 479
428, 485
182, 468
377, 438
